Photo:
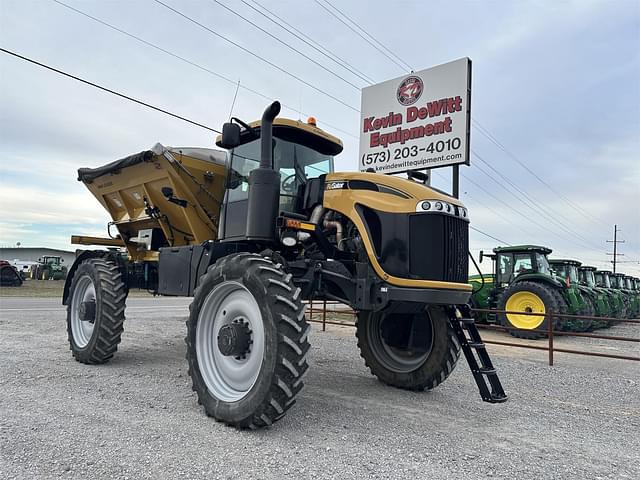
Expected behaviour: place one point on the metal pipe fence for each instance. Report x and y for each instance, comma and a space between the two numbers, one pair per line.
550, 332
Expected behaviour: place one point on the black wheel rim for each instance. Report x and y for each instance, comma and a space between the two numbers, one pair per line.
400, 342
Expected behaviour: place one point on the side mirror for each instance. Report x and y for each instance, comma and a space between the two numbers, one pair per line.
40, 260
230, 135
62, 260
420, 177
481, 256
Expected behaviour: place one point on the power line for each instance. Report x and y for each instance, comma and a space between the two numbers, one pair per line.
370, 40
137, 38
308, 40
483, 205
190, 62
518, 212
484, 131
108, 90
246, 50
531, 205
266, 32
487, 235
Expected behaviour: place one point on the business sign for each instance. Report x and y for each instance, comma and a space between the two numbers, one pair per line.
417, 121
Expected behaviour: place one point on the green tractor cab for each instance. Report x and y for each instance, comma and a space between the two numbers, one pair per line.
605, 279
523, 281
598, 295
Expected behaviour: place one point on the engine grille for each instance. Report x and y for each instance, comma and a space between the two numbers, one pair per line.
439, 246
424, 246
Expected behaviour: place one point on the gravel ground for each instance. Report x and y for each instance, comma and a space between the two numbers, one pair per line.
136, 417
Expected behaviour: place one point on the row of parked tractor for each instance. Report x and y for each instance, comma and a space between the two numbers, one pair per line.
525, 279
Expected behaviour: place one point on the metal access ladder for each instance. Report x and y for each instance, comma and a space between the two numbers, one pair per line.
477, 356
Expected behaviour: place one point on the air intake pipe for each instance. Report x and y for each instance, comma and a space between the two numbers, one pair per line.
264, 185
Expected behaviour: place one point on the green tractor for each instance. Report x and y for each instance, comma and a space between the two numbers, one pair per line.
634, 297
605, 280
635, 284
599, 296
567, 271
49, 267
618, 282
523, 281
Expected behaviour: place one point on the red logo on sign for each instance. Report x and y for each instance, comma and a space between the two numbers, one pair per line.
410, 90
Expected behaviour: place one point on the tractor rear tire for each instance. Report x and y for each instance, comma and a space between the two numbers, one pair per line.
247, 341
95, 311
589, 310
419, 367
529, 297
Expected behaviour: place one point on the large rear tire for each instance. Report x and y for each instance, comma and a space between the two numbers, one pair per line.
95, 311
247, 341
530, 297
413, 351
589, 310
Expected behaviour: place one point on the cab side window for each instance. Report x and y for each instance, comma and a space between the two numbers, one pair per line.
242, 162
522, 264
505, 267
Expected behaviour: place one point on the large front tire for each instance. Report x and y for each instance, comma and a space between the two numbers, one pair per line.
413, 351
247, 341
95, 311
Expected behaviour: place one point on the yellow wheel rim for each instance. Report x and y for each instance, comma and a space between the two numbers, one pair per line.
525, 302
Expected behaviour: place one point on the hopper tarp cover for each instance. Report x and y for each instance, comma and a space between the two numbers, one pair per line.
87, 175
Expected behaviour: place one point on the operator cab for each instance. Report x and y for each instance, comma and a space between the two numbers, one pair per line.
302, 154
519, 260
586, 276
603, 279
566, 270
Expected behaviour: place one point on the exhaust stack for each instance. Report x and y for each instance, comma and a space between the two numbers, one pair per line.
264, 185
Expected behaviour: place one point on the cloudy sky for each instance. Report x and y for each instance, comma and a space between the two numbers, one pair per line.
556, 89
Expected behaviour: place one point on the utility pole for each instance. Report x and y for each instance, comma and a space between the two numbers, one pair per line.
615, 242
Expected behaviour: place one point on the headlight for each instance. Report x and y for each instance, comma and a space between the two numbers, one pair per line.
446, 208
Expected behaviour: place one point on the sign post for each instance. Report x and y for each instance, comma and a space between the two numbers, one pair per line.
418, 121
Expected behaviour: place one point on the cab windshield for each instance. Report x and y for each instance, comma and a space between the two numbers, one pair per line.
573, 273
589, 278
296, 164
603, 280
543, 264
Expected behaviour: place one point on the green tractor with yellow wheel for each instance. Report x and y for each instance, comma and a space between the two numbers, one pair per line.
522, 281
49, 267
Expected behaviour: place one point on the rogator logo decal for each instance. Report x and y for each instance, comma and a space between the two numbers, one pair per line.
410, 90
336, 185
